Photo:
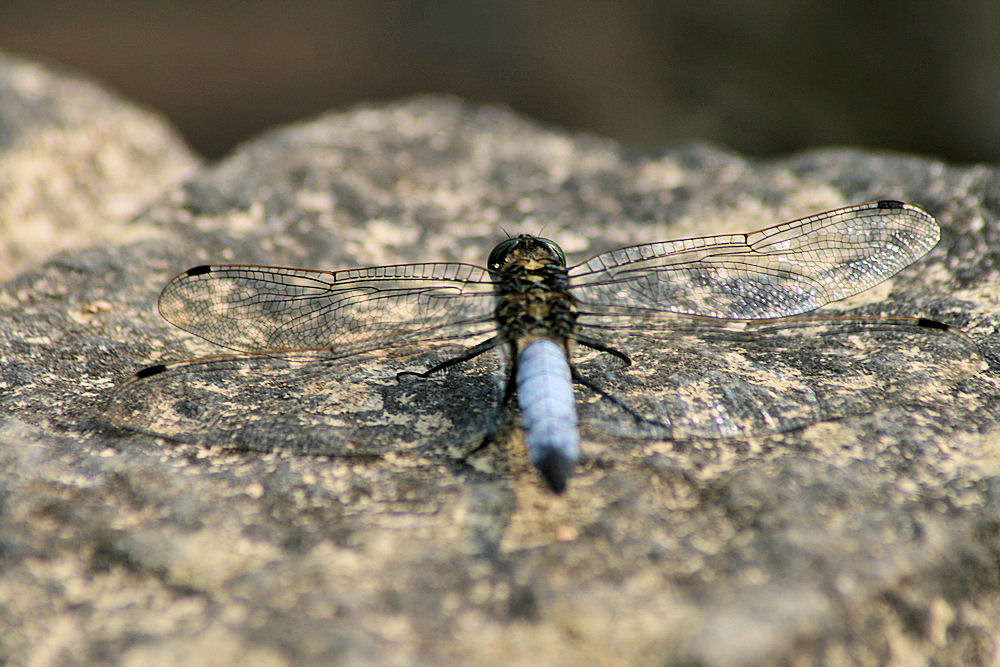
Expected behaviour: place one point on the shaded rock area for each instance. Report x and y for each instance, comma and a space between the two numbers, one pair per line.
354, 519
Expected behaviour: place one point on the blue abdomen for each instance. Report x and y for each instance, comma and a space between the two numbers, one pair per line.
548, 411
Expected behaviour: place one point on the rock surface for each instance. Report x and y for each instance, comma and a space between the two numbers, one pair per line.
871, 535
76, 163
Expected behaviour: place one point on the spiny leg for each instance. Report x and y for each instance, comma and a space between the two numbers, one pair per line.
468, 355
589, 384
595, 344
504, 412
600, 346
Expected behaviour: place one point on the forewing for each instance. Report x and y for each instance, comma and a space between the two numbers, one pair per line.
783, 270
261, 309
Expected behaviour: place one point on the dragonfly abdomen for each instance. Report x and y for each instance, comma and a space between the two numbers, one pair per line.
548, 411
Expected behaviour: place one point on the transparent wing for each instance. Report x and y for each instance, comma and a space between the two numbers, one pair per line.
271, 309
783, 270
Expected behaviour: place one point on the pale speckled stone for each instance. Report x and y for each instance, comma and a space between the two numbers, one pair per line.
77, 163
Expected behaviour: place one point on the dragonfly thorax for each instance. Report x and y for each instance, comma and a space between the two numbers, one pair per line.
532, 288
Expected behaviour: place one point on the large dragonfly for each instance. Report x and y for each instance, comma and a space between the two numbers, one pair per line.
527, 300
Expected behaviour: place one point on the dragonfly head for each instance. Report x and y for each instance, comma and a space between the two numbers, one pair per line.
525, 249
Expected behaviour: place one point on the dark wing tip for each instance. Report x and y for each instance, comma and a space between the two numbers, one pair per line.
890, 203
556, 468
198, 270
149, 371
932, 324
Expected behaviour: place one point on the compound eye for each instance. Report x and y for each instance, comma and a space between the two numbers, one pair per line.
556, 250
499, 255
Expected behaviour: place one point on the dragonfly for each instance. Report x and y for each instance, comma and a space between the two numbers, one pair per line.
529, 302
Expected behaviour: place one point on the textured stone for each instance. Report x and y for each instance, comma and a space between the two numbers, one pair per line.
77, 163
865, 532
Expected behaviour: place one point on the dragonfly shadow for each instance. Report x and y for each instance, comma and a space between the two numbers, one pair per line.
775, 379
265, 404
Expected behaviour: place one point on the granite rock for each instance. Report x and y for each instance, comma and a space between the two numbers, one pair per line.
355, 520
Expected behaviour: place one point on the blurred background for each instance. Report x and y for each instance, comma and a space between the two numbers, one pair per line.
763, 78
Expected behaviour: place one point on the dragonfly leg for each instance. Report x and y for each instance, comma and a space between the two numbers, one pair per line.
471, 353
581, 380
595, 344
